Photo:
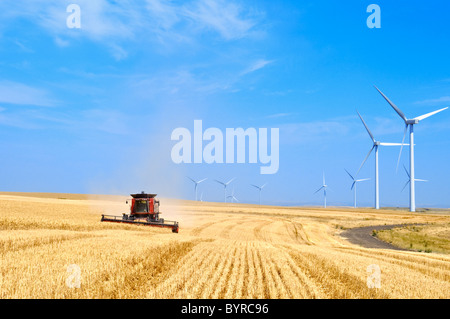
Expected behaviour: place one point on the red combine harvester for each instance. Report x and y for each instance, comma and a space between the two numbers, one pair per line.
144, 210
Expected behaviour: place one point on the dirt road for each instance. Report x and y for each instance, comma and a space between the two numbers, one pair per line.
363, 236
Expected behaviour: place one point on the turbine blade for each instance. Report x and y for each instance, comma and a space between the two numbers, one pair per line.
368, 131
255, 186
407, 173
399, 112
191, 179
220, 182
318, 190
405, 186
362, 180
263, 186
362, 164
420, 180
422, 117
202, 180
353, 185
231, 180
393, 144
401, 148
349, 174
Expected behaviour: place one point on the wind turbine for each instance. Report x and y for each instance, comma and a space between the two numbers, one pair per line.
324, 187
260, 189
225, 187
409, 179
410, 123
233, 198
375, 146
356, 181
196, 184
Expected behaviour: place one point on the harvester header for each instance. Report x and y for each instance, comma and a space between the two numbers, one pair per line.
144, 210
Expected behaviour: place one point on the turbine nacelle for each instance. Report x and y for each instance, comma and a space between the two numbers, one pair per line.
412, 122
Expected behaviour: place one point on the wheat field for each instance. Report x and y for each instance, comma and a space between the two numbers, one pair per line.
54, 246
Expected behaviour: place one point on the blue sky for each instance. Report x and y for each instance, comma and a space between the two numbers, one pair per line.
91, 110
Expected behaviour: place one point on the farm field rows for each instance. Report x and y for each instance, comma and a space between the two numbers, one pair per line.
222, 251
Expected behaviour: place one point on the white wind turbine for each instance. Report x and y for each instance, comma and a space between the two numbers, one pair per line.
233, 198
410, 123
225, 187
324, 187
196, 184
375, 146
260, 189
355, 182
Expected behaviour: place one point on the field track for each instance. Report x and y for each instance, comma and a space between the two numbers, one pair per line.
363, 236
222, 251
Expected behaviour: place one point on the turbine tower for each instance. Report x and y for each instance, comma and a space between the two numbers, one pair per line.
196, 184
324, 187
355, 182
225, 187
410, 123
375, 146
260, 189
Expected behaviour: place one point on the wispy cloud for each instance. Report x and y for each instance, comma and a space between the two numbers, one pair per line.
438, 101
94, 119
224, 17
23, 47
18, 93
257, 65
179, 83
18, 121
279, 115
114, 23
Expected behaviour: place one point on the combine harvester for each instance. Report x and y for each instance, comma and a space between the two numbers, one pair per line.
144, 210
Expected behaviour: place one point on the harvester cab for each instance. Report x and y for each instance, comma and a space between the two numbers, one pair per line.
144, 210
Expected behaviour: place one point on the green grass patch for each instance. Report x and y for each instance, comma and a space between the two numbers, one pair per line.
427, 238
